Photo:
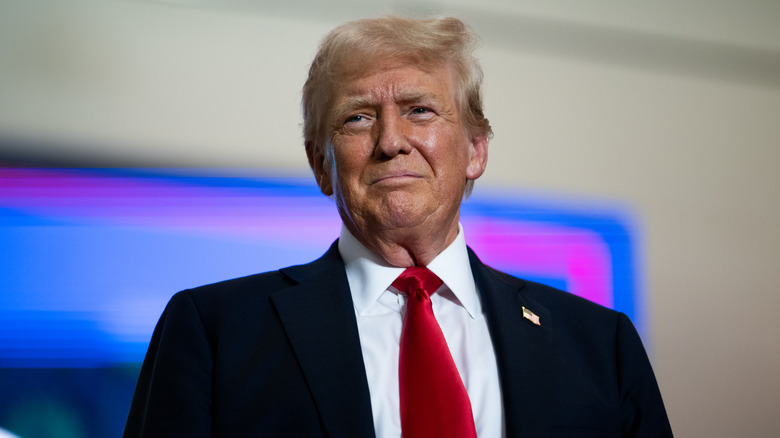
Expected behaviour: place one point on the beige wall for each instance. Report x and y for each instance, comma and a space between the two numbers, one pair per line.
672, 107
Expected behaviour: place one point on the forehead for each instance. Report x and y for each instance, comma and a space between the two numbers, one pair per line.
397, 80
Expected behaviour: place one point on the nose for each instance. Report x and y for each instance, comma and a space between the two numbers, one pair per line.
392, 135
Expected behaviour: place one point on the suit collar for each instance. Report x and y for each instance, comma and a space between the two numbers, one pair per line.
319, 319
524, 351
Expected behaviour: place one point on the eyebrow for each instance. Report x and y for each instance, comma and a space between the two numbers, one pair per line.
353, 103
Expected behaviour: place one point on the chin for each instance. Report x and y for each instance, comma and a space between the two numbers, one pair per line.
406, 215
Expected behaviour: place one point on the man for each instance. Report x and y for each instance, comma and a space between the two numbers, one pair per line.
355, 344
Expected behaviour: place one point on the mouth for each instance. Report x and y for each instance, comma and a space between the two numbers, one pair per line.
396, 177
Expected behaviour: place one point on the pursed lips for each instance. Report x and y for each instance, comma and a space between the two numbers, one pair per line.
396, 175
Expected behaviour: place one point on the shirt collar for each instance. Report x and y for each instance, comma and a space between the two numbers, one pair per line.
370, 276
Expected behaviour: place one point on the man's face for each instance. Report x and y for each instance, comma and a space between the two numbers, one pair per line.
401, 155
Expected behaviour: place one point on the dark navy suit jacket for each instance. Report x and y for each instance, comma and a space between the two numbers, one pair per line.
278, 355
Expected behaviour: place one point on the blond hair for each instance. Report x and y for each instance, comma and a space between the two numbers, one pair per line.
432, 42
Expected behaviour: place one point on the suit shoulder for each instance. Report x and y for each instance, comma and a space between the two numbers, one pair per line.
253, 292
559, 300
267, 283
230, 297
555, 300
258, 283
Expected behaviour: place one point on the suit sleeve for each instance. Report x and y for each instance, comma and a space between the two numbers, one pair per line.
173, 397
643, 412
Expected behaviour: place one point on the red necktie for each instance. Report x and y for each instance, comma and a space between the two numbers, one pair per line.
434, 402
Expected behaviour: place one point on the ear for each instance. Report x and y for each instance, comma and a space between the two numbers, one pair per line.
479, 156
319, 165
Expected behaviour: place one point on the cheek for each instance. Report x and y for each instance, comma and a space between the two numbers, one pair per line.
348, 165
449, 153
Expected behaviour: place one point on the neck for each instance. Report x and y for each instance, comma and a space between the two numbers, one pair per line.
408, 247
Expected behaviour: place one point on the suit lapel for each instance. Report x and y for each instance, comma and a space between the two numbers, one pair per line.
524, 352
319, 319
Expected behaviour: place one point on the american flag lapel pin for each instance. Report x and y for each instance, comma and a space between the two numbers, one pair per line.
531, 316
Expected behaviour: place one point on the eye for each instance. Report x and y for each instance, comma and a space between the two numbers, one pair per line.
357, 122
421, 113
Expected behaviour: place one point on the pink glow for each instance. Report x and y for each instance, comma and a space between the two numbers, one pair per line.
579, 256
170, 206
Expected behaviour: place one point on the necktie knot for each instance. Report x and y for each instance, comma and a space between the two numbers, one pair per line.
418, 281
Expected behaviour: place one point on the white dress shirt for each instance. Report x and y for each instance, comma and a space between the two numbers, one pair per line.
380, 308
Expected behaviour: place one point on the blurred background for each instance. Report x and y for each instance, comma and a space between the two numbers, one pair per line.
662, 117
